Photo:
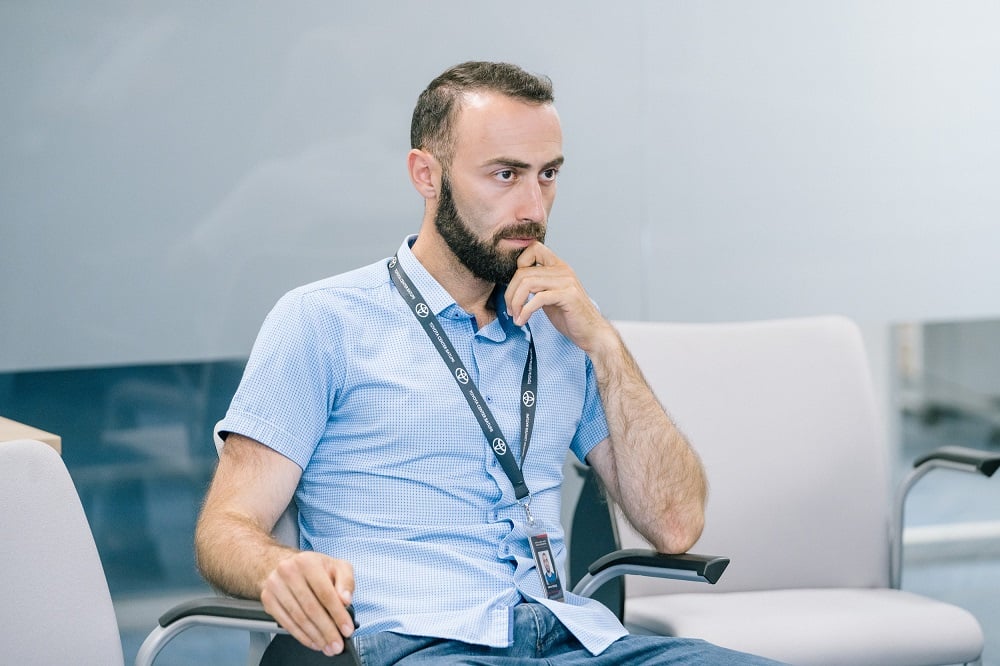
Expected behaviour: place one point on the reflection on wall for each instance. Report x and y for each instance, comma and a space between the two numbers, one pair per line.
167, 170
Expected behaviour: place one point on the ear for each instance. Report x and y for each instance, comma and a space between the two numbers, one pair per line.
425, 172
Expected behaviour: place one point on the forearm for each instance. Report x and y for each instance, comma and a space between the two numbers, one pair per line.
649, 468
646, 464
233, 544
234, 554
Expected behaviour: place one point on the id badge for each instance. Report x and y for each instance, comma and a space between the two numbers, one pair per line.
545, 563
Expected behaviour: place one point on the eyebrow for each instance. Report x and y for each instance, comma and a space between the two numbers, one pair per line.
519, 164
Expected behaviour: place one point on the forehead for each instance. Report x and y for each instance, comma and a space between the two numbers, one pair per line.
494, 125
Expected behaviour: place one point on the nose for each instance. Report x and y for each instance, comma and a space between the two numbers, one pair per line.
532, 202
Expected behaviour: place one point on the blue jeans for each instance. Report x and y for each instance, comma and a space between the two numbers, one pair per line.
541, 639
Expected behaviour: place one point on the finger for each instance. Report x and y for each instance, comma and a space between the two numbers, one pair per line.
518, 289
540, 300
515, 296
284, 608
332, 617
536, 254
309, 584
535, 281
344, 577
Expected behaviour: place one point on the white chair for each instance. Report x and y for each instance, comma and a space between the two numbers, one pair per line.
56, 604
784, 417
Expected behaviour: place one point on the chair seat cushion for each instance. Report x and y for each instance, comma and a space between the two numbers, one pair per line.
818, 626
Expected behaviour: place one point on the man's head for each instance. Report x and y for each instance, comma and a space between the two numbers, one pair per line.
487, 145
432, 125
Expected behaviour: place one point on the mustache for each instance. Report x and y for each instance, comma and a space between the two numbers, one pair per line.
532, 230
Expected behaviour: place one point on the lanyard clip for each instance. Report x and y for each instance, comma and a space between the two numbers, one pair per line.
526, 505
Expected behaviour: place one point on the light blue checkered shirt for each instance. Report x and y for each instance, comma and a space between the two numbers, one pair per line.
397, 476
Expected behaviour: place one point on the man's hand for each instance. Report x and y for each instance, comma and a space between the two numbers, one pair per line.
555, 288
308, 594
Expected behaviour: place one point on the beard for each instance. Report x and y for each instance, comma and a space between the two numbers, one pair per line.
484, 259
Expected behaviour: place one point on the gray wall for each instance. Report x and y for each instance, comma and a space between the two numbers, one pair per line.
167, 170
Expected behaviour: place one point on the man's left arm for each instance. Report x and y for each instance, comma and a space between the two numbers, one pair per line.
646, 464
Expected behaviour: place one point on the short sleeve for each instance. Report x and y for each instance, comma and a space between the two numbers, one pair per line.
593, 428
289, 384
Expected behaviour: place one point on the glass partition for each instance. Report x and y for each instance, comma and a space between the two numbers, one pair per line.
948, 393
137, 442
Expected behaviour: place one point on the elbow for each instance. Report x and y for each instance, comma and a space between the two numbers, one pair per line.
678, 542
679, 535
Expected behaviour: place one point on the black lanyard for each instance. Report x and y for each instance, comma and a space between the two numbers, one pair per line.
489, 425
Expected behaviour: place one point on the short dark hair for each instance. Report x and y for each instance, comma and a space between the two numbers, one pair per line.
432, 126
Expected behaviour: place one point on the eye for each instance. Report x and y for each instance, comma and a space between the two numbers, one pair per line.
506, 174
550, 174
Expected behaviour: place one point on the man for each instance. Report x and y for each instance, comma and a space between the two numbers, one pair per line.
419, 409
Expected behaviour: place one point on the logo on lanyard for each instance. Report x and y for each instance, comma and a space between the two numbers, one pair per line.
422, 310
528, 398
461, 375
499, 446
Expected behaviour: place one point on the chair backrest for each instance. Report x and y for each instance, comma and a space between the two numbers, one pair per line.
784, 418
55, 606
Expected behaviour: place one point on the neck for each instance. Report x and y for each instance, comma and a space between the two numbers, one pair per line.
471, 293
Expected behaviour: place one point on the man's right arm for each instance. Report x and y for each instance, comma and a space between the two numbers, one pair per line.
306, 592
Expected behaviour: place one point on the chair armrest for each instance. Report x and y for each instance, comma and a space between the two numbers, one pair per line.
217, 607
637, 561
216, 611
961, 458
958, 458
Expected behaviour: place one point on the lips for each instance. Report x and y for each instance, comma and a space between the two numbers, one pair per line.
523, 234
520, 242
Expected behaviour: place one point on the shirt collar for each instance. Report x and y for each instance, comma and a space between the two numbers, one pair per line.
436, 296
